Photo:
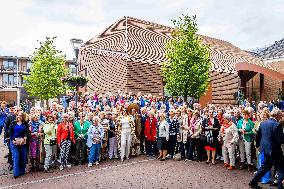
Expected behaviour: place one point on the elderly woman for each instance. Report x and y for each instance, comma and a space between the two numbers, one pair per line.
94, 142
19, 130
65, 137
174, 133
36, 134
195, 130
245, 128
81, 128
151, 134
125, 128
163, 137
183, 131
49, 130
211, 128
230, 137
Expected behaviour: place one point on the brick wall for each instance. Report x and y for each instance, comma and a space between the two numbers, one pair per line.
8, 96
271, 87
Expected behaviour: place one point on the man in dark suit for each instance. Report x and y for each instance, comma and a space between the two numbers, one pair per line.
9, 120
269, 139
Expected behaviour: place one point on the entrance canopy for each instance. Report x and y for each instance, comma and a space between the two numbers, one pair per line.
242, 66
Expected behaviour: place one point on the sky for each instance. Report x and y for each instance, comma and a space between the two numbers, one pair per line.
248, 24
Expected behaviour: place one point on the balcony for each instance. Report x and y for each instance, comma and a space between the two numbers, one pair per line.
22, 69
6, 84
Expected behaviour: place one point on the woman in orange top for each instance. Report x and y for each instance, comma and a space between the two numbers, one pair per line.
65, 135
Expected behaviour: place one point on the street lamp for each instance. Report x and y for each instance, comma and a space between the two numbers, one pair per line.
76, 43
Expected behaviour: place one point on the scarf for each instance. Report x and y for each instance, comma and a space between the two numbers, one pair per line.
35, 126
226, 126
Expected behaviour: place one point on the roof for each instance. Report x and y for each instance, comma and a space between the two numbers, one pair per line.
273, 51
135, 39
279, 65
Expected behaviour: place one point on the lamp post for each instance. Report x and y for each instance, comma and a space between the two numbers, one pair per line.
76, 43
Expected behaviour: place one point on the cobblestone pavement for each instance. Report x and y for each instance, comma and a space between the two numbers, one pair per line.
138, 172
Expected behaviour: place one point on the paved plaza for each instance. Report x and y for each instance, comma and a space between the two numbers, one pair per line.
138, 172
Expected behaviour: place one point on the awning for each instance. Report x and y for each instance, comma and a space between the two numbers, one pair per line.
242, 66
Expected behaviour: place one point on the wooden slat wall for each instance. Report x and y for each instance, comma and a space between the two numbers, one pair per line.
144, 77
224, 86
107, 74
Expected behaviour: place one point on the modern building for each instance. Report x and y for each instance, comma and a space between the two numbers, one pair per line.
12, 72
128, 55
272, 55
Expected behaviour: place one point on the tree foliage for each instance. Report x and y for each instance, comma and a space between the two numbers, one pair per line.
186, 71
47, 69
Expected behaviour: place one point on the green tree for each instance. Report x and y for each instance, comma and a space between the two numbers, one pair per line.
47, 69
186, 71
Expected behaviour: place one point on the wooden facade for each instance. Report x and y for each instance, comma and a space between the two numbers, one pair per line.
128, 55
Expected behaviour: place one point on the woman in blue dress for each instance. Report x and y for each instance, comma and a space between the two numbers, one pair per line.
18, 136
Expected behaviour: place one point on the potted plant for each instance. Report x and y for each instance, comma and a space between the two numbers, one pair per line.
74, 81
82, 81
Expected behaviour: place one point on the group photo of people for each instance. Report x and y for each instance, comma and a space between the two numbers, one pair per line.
103, 127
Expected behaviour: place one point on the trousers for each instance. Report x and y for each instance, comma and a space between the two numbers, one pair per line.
277, 161
172, 144
125, 144
94, 153
194, 143
50, 151
142, 139
81, 150
112, 151
19, 155
64, 152
229, 151
151, 147
245, 151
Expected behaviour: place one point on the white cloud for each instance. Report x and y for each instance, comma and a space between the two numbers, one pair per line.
246, 24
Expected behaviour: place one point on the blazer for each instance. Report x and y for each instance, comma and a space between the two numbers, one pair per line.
151, 129
78, 130
269, 137
12, 130
62, 132
249, 129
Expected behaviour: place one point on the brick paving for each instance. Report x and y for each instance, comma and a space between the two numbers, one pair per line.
138, 172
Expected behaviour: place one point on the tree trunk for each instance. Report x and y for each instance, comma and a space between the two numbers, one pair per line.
185, 98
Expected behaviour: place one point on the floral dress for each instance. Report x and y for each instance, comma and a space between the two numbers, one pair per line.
35, 140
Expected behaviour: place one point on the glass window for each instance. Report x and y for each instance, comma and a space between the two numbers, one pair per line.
11, 80
5, 79
5, 64
11, 63
29, 64
15, 79
72, 69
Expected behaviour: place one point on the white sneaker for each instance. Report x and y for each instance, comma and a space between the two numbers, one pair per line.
90, 165
97, 163
61, 167
68, 165
221, 158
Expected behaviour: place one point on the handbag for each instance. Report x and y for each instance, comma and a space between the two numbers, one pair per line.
19, 141
52, 142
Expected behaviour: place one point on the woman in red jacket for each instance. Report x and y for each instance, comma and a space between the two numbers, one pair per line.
151, 135
65, 135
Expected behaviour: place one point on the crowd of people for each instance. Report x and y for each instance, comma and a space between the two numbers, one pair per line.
111, 126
